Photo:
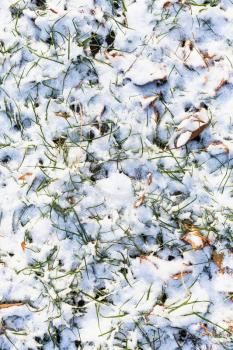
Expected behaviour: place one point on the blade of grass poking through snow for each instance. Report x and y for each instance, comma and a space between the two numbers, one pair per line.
116, 157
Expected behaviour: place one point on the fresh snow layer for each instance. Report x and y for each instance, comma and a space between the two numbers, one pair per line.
116, 174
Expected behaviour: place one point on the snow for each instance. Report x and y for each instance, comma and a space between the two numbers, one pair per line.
117, 190
108, 157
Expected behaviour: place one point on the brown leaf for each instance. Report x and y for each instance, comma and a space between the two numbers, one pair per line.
23, 177
180, 275
23, 245
5, 306
167, 4
185, 135
230, 326
54, 11
113, 54
196, 132
62, 114
187, 225
149, 178
220, 85
219, 146
187, 43
206, 330
218, 260
140, 201
207, 55
195, 239
149, 101
71, 200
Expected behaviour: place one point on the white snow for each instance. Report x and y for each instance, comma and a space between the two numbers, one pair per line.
111, 152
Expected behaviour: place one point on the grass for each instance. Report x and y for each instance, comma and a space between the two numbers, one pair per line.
85, 264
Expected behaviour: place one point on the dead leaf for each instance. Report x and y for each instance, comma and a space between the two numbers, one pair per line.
149, 178
218, 146
206, 330
71, 200
180, 275
230, 325
218, 260
188, 43
195, 239
23, 177
140, 201
220, 85
5, 306
112, 54
191, 127
23, 245
167, 4
148, 101
187, 225
207, 55
54, 11
62, 114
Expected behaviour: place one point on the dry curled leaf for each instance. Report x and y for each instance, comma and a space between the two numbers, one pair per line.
191, 127
140, 201
113, 54
54, 11
62, 114
207, 55
187, 43
206, 330
23, 177
187, 225
23, 245
149, 178
217, 147
195, 239
222, 83
148, 101
167, 4
5, 306
218, 260
153, 73
230, 326
180, 275
71, 200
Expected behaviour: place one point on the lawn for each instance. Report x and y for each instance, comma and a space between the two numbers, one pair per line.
116, 186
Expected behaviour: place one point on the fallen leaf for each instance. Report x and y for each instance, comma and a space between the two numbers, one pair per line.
23, 177
189, 129
206, 330
217, 147
23, 245
218, 260
54, 11
5, 306
188, 43
71, 200
62, 114
207, 55
195, 239
230, 326
140, 201
180, 275
167, 4
187, 225
59, 141
220, 85
149, 101
153, 73
149, 179
113, 54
